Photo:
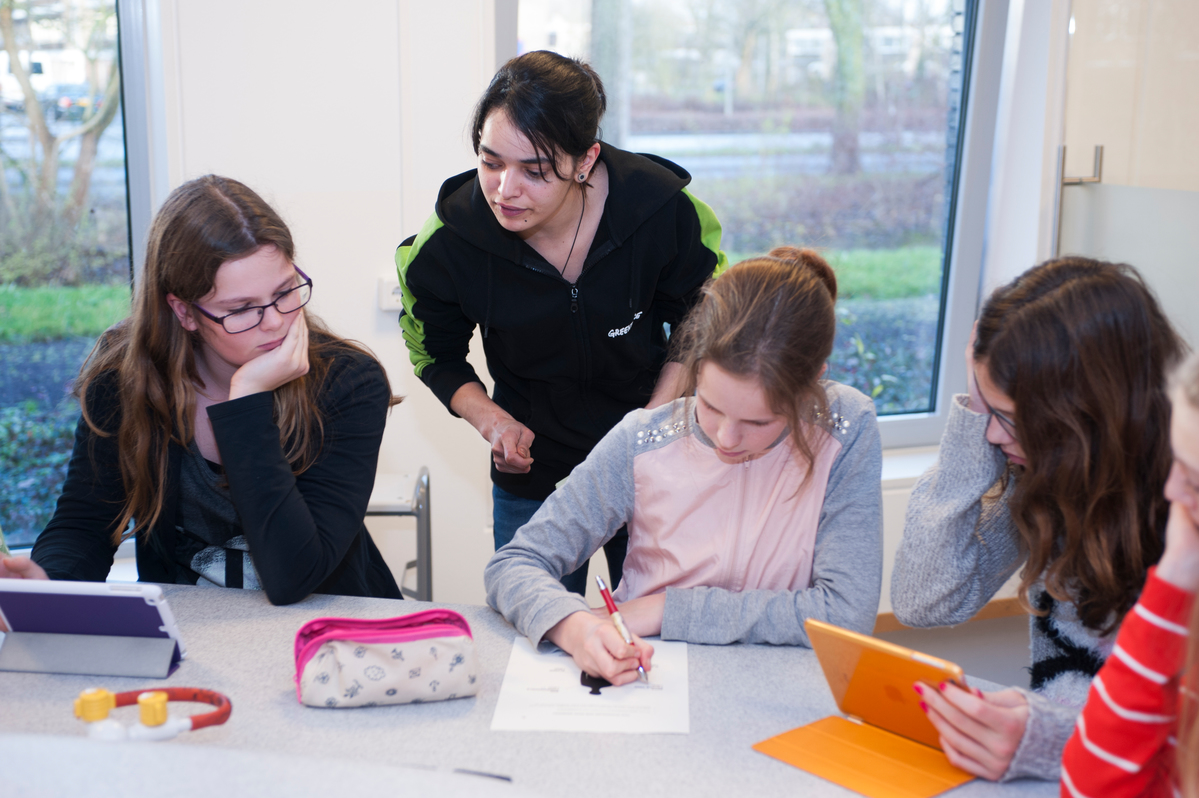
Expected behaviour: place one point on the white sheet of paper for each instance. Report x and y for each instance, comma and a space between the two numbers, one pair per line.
542, 691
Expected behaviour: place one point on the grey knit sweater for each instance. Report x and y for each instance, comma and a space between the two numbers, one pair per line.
600, 496
959, 546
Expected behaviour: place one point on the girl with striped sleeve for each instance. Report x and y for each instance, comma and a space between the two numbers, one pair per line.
1129, 740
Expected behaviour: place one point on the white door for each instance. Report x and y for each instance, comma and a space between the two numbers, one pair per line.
1132, 87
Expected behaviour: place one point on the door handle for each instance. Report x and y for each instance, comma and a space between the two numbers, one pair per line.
1096, 176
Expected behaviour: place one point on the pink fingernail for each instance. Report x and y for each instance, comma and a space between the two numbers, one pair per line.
924, 707
919, 690
942, 686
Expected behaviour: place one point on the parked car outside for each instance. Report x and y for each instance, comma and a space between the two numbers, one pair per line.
70, 101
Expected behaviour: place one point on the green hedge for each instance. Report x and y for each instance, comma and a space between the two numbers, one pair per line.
35, 448
48, 313
900, 273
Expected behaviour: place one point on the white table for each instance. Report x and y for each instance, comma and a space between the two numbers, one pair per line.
240, 645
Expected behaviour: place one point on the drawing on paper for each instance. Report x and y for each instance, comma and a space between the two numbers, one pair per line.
544, 690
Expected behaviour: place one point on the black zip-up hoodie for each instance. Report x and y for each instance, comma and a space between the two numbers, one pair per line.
569, 360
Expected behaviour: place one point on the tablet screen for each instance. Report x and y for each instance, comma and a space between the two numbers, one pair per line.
113, 614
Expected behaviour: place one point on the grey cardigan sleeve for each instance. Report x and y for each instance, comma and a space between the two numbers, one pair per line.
574, 522
1046, 733
959, 541
847, 562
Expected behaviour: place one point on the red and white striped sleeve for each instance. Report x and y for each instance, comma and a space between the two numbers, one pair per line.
1123, 744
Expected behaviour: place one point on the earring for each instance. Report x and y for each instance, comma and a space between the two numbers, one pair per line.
582, 177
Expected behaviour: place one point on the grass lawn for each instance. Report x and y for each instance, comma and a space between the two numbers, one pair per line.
49, 313
881, 273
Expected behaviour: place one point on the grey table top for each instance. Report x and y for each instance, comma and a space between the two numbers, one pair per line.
241, 646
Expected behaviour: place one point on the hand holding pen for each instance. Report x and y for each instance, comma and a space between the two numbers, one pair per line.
599, 646
614, 614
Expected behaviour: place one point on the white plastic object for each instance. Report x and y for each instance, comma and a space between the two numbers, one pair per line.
391, 297
140, 733
109, 730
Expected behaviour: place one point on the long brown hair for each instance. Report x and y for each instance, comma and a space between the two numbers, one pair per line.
1185, 390
771, 318
203, 223
1082, 348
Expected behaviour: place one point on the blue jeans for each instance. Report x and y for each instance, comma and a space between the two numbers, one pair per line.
509, 513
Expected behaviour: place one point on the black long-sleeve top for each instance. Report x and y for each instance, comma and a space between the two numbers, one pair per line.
305, 533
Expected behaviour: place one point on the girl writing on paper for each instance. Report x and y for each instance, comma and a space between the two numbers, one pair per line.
570, 256
1137, 734
753, 503
222, 425
1055, 459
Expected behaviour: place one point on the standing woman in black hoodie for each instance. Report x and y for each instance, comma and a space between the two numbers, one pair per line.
571, 255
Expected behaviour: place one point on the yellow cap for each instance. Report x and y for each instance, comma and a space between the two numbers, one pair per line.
153, 707
94, 704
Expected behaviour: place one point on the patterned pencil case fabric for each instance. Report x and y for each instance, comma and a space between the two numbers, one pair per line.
412, 659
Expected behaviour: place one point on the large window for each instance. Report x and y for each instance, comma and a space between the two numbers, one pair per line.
64, 235
831, 124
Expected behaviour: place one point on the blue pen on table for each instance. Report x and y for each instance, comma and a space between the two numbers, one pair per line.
614, 614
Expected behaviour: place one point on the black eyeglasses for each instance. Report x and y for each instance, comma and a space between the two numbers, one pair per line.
1008, 424
246, 319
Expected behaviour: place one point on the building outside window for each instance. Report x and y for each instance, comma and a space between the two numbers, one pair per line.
64, 235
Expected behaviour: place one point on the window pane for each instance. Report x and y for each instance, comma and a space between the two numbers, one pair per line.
830, 124
64, 242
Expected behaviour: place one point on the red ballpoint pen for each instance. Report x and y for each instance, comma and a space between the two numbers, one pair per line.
614, 614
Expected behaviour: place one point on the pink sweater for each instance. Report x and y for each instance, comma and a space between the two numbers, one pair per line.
761, 535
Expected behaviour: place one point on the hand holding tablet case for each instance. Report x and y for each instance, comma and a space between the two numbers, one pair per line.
87, 628
887, 747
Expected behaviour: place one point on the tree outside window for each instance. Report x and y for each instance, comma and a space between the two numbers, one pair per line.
64, 235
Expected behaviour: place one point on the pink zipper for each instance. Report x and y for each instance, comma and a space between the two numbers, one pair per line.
404, 629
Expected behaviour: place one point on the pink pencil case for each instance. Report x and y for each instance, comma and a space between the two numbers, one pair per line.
351, 662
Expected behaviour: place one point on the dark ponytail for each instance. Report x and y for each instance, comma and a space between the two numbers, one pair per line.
555, 101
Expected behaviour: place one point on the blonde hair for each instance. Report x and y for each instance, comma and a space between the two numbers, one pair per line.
771, 318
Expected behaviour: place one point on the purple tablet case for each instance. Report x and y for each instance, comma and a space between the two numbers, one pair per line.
94, 635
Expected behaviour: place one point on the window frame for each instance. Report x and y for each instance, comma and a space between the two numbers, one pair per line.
143, 103
962, 280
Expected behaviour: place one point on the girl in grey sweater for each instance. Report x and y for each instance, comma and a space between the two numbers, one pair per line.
1054, 460
751, 506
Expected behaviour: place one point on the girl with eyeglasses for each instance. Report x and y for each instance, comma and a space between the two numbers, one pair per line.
1054, 461
223, 426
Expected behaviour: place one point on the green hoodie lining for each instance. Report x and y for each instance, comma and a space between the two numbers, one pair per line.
412, 328
709, 232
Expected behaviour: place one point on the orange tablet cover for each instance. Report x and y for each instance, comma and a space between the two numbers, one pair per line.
890, 749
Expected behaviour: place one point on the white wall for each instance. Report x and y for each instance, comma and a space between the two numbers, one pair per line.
347, 121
